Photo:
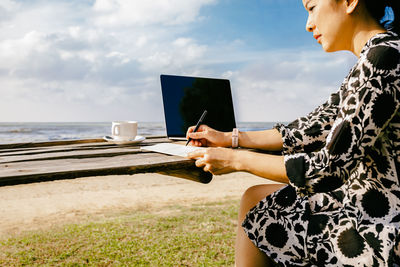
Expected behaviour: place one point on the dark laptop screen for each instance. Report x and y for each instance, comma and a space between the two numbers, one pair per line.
185, 99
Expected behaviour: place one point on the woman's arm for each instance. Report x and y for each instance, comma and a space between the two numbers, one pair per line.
270, 140
224, 160
267, 166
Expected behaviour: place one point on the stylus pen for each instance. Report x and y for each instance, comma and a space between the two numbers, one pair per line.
198, 125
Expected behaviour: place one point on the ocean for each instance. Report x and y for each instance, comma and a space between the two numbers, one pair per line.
21, 132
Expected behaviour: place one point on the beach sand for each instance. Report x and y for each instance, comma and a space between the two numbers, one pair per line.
46, 204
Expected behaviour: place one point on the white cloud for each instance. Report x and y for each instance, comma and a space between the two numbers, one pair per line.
143, 13
285, 85
79, 60
173, 57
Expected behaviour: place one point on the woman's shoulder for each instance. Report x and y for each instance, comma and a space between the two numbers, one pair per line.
383, 51
388, 38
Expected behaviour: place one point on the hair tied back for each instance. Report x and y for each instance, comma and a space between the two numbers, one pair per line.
394, 22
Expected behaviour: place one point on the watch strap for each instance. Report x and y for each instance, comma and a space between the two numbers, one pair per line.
235, 138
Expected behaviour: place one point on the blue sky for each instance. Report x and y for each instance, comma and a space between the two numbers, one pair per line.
257, 22
100, 60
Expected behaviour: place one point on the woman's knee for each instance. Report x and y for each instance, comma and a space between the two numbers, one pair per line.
255, 194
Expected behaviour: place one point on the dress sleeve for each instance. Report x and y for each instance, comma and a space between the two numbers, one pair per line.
307, 134
370, 101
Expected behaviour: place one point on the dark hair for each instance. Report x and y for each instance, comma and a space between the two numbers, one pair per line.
387, 12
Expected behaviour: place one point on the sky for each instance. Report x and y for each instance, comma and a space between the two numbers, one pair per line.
101, 60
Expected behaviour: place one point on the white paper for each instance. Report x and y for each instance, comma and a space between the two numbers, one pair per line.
171, 149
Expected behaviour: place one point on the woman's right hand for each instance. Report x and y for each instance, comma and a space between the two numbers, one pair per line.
207, 136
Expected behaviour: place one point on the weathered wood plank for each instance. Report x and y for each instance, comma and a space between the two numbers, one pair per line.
70, 152
76, 163
32, 162
185, 170
50, 143
65, 154
75, 147
190, 172
56, 149
69, 142
126, 164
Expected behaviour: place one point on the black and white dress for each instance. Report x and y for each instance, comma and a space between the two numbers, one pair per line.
342, 206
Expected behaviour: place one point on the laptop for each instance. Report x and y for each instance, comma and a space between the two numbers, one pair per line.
186, 98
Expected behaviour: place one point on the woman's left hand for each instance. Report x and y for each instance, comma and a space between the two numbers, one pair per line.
216, 160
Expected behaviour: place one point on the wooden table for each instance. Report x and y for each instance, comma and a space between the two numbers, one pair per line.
44, 161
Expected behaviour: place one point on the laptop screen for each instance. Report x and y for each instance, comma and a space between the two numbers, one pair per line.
186, 98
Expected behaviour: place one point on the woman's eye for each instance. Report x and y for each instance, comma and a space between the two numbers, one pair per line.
311, 8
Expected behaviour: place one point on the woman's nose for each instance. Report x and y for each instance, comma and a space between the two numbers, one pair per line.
309, 25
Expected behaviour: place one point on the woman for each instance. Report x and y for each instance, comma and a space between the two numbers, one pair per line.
341, 162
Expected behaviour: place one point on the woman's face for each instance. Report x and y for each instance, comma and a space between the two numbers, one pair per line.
327, 21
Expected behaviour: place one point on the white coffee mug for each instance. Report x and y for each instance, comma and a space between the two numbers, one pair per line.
124, 130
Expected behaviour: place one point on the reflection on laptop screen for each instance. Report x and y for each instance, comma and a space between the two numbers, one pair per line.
185, 99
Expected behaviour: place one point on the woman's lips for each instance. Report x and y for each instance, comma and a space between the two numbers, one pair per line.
317, 37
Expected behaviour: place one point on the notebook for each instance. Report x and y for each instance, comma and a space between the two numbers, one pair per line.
171, 149
186, 98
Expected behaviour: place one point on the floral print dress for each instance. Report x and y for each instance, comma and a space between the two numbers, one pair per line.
342, 204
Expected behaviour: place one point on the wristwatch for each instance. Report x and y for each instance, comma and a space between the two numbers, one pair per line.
235, 137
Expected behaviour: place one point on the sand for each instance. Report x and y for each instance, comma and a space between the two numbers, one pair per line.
42, 205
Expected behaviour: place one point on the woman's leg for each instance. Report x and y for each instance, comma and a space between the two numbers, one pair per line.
246, 253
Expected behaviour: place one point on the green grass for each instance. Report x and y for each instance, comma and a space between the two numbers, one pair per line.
198, 235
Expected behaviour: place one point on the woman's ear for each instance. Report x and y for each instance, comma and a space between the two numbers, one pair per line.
351, 5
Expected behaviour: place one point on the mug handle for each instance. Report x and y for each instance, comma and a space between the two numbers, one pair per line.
116, 130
